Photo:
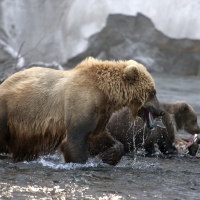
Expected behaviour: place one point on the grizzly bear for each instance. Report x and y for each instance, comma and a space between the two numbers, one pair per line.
178, 116
41, 108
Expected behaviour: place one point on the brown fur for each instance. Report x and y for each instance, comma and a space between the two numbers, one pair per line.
178, 116
41, 108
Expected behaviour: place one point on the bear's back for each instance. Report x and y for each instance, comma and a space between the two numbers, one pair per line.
31, 77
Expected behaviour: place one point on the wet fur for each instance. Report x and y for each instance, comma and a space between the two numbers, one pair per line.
178, 116
42, 108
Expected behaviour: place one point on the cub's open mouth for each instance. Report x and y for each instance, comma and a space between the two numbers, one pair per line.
150, 119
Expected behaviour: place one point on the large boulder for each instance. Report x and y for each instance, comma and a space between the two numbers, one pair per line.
125, 37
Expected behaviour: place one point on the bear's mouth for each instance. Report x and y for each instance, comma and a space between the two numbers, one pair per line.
149, 117
151, 120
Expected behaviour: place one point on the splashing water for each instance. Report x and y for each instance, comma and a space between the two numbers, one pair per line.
137, 131
55, 162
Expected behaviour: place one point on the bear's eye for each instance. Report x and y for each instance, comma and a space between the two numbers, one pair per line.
194, 121
152, 94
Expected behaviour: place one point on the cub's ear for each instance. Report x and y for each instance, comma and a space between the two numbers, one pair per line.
183, 106
131, 72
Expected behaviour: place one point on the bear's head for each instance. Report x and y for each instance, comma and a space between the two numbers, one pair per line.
185, 118
144, 94
123, 83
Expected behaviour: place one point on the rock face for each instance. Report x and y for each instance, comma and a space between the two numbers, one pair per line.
129, 37
49, 30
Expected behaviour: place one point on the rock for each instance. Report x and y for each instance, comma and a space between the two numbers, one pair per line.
135, 37
55, 31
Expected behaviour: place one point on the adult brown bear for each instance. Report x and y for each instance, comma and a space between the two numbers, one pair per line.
41, 108
178, 116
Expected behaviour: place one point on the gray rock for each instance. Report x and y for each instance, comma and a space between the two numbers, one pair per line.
128, 37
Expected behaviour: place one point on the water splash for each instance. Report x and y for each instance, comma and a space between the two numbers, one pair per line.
55, 162
68, 166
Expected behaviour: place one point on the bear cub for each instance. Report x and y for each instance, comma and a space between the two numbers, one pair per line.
178, 116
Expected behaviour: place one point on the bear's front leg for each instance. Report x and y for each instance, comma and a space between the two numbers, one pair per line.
75, 152
75, 148
105, 145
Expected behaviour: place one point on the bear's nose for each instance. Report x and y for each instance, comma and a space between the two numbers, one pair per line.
162, 113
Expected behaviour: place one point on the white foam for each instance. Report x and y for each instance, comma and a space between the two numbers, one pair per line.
55, 162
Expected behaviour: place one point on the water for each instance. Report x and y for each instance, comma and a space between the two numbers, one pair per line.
142, 178
135, 177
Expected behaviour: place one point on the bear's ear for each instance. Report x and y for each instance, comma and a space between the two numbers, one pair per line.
131, 72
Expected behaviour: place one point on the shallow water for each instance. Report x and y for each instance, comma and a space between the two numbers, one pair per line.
133, 178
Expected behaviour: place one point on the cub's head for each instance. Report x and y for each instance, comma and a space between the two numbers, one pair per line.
185, 117
144, 102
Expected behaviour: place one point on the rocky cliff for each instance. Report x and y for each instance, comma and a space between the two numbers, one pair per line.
129, 37
48, 30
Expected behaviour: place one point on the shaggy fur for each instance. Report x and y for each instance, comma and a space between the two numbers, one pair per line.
41, 108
